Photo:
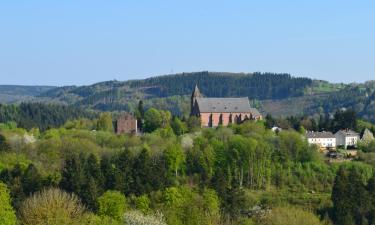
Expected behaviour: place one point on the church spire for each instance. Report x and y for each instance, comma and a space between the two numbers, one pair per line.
196, 94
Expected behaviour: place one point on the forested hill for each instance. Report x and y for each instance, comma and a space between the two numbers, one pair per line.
171, 91
278, 94
254, 85
16, 93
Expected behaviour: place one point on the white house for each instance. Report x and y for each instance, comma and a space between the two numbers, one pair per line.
276, 129
347, 138
325, 140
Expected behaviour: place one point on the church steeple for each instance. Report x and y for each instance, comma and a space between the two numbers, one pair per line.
196, 94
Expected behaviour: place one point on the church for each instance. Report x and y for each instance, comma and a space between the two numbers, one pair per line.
221, 111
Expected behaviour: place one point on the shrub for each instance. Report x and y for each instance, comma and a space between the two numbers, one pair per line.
137, 218
51, 206
290, 216
112, 204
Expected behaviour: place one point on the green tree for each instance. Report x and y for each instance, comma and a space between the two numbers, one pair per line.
142, 172
112, 204
342, 205
7, 213
175, 159
194, 123
142, 203
178, 126
105, 122
31, 180
4, 145
152, 120
344, 119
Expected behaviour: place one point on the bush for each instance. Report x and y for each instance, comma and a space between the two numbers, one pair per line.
51, 206
112, 204
137, 218
290, 216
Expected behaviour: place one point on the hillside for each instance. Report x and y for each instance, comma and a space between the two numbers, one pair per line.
18, 93
172, 91
278, 94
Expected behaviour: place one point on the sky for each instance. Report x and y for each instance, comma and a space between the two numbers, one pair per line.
80, 42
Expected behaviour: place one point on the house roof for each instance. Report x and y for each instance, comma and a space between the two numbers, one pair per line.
324, 134
348, 133
230, 105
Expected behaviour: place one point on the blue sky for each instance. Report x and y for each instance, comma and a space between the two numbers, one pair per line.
82, 42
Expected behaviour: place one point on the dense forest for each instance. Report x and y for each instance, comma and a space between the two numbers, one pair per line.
178, 173
255, 86
40, 115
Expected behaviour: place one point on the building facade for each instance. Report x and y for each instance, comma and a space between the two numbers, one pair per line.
214, 112
127, 124
325, 140
347, 138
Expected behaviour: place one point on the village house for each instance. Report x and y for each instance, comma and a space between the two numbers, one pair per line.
325, 140
221, 111
126, 124
347, 138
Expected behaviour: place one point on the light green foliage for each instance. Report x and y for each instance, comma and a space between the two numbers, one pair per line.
7, 214
142, 203
289, 215
92, 219
81, 124
10, 125
137, 218
152, 120
173, 197
51, 206
293, 147
105, 122
10, 159
109, 139
187, 207
112, 204
175, 159
178, 126
155, 119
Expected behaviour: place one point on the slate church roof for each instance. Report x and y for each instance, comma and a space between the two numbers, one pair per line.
224, 105
324, 134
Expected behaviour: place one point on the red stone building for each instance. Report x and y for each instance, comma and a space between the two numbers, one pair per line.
221, 111
126, 124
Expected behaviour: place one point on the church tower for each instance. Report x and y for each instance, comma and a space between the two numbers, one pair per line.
196, 94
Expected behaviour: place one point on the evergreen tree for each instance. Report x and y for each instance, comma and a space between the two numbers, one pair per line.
31, 180
124, 172
72, 175
142, 172
4, 145
141, 109
342, 205
108, 173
